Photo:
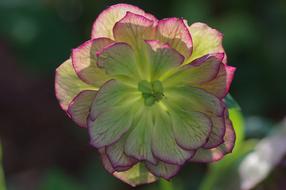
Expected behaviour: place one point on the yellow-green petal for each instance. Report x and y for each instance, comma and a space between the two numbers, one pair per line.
105, 22
138, 144
68, 85
111, 113
79, 107
84, 60
206, 40
119, 62
164, 146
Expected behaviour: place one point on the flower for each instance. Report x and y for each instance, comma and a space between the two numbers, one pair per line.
150, 92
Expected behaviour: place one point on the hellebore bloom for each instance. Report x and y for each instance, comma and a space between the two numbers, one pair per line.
150, 92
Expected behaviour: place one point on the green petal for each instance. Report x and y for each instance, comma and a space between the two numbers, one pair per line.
175, 32
220, 85
133, 29
194, 99
162, 169
217, 132
116, 155
206, 40
191, 129
135, 175
109, 126
68, 85
112, 112
205, 69
161, 58
119, 62
113, 94
84, 61
164, 146
215, 154
79, 108
138, 144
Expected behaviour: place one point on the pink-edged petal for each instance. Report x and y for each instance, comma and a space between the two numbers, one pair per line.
106, 20
164, 146
162, 58
162, 169
133, 175
191, 129
217, 132
206, 40
215, 154
189, 98
175, 32
220, 85
111, 113
138, 144
79, 107
229, 76
199, 117
65, 87
107, 164
119, 61
200, 71
133, 29
116, 155
84, 61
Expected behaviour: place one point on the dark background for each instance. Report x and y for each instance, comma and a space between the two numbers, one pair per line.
42, 147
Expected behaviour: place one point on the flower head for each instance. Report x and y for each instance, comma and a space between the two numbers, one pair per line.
151, 93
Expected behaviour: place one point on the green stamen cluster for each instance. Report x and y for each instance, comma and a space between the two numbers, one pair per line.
151, 91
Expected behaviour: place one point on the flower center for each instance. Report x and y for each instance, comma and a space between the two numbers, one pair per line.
151, 91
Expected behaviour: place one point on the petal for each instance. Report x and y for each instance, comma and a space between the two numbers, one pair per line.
138, 144
189, 98
133, 29
107, 164
119, 62
191, 129
84, 61
215, 154
162, 169
164, 146
220, 85
217, 132
106, 20
135, 175
116, 155
111, 113
175, 32
68, 85
79, 107
206, 40
200, 71
162, 59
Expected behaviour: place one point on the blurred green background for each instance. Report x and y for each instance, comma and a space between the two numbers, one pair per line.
42, 147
